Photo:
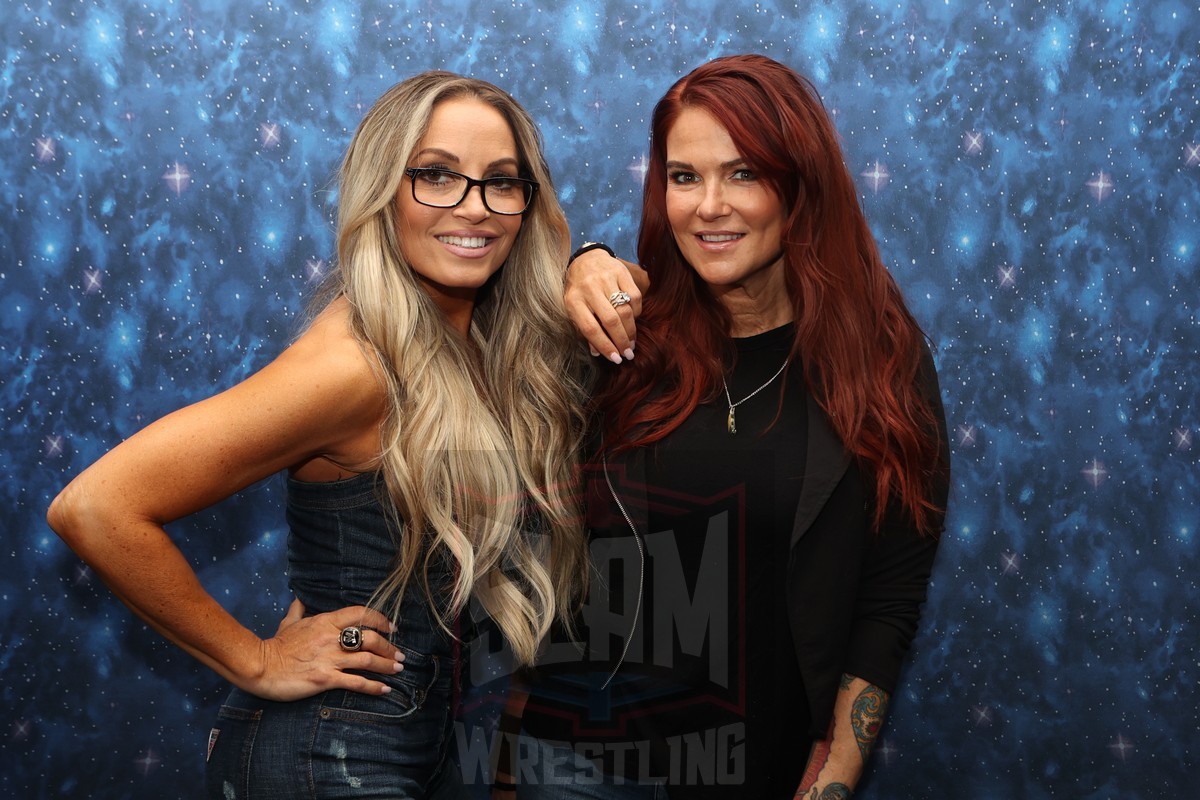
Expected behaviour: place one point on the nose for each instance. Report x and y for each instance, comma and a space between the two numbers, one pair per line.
472, 206
712, 204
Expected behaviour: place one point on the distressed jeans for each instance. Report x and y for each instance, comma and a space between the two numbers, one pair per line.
337, 744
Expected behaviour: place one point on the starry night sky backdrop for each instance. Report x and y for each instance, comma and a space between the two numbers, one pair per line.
1031, 170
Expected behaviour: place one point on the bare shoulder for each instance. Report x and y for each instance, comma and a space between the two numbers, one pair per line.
333, 362
342, 387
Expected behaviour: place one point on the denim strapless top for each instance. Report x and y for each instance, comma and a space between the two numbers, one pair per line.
342, 545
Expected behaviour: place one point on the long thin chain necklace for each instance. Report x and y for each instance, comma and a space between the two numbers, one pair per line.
731, 420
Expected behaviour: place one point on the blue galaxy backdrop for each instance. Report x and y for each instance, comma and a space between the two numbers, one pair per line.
1030, 168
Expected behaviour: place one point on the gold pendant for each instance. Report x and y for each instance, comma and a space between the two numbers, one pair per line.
731, 422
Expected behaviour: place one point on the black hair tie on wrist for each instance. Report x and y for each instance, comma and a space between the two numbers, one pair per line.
589, 247
504, 786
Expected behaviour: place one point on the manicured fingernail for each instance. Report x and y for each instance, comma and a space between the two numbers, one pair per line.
397, 667
629, 354
614, 357
386, 689
593, 351
633, 345
399, 655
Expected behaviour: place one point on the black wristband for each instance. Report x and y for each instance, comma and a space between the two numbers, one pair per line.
589, 247
504, 786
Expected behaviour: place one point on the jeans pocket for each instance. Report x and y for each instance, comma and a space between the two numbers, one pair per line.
387, 745
230, 747
409, 690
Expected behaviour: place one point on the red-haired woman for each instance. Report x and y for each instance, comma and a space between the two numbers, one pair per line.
771, 476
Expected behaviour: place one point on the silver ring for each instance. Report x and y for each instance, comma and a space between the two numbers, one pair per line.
619, 298
351, 639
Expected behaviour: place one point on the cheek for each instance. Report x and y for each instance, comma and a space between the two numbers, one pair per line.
406, 238
678, 212
512, 231
770, 220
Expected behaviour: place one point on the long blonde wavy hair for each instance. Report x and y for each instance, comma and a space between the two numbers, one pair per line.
480, 443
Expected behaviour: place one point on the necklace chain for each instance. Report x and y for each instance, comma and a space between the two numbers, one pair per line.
731, 420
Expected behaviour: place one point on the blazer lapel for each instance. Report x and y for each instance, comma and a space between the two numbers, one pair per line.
824, 465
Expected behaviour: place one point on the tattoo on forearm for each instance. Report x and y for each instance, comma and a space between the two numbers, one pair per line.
833, 791
866, 717
817, 757
816, 762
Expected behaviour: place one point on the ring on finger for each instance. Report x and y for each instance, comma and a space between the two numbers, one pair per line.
351, 639
619, 298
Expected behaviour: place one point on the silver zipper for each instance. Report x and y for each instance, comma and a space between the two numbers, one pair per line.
641, 572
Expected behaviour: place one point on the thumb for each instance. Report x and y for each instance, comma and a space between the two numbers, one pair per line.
295, 613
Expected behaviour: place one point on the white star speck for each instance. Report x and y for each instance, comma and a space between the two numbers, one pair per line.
45, 149
53, 446
178, 178
1007, 275
268, 134
315, 267
147, 762
1101, 186
639, 168
91, 280
20, 729
966, 435
878, 176
1095, 473
1121, 748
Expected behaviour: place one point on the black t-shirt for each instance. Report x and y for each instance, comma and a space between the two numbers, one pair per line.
709, 698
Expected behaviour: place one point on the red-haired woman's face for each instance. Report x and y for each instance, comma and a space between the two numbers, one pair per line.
727, 222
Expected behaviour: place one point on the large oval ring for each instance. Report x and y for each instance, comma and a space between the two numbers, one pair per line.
351, 639
619, 299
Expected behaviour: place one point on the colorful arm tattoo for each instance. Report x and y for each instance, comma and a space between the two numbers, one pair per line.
866, 718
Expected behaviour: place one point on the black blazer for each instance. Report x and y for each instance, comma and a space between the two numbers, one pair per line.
854, 597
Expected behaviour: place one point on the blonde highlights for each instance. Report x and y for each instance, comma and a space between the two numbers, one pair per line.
479, 446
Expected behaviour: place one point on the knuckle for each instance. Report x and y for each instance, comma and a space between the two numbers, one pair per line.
590, 327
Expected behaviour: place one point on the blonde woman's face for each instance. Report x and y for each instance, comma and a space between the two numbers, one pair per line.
455, 250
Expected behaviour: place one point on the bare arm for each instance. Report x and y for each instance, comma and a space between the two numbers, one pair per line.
592, 279
836, 763
314, 401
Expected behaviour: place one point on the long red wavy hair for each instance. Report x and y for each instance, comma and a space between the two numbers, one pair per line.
859, 346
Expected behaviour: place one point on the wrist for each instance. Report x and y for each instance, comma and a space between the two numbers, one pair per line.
588, 247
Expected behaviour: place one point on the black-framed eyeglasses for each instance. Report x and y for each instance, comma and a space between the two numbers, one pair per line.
442, 188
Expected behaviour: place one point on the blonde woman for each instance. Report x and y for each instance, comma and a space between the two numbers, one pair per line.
428, 431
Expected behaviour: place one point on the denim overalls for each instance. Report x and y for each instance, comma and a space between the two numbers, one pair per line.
340, 743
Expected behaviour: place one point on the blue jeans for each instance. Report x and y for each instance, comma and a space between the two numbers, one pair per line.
552, 771
337, 744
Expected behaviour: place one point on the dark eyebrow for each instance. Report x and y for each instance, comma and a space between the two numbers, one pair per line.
448, 156
737, 162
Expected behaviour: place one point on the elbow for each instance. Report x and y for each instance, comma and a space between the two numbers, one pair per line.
58, 515
67, 513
